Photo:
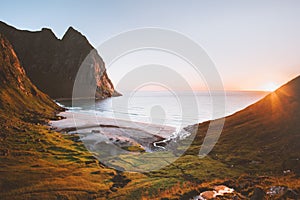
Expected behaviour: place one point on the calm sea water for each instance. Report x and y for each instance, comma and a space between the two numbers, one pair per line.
165, 108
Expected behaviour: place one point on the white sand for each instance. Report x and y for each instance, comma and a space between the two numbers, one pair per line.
97, 129
83, 120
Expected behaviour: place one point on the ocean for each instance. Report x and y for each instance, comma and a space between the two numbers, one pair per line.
177, 110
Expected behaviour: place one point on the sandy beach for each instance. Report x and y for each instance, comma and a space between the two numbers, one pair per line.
95, 129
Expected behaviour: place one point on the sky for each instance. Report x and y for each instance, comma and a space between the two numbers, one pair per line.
255, 45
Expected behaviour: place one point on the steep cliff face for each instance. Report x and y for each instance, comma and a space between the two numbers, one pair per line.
18, 96
52, 64
29, 152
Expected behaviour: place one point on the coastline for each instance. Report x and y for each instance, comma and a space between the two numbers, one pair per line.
94, 129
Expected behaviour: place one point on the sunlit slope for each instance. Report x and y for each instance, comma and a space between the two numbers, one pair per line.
264, 137
36, 162
18, 96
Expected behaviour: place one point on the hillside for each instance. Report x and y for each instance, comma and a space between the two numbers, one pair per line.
257, 154
257, 145
264, 137
52, 63
36, 162
18, 96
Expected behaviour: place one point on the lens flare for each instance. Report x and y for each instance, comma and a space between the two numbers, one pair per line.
270, 87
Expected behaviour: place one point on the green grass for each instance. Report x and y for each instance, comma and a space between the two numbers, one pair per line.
37, 163
134, 148
46, 164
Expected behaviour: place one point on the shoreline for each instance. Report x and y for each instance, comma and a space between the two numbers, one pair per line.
94, 129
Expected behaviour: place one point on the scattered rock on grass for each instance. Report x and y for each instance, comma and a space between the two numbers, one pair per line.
219, 190
207, 195
258, 194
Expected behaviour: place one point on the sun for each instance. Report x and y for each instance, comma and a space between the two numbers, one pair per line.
270, 87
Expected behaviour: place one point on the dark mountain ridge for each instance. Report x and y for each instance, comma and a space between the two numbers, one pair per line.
52, 64
37, 162
18, 96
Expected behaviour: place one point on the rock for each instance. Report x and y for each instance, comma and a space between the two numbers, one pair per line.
219, 190
258, 194
290, 194
15, 83
113, 189
207, 195
52, 64
282, 192
276, 190
222, 189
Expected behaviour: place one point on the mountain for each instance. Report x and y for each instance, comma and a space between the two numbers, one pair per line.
264, 137
37, 162
18, 96
52, 63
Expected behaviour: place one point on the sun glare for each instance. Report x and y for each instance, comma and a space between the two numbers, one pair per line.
270, 87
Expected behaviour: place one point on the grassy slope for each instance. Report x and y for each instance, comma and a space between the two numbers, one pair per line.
38, 163
265, 137
35, 162
257, 144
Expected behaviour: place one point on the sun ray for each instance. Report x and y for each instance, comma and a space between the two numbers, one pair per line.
270, 87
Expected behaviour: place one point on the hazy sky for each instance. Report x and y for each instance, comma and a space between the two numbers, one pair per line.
254, 44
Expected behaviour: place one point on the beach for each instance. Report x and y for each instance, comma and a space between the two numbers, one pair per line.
94, 129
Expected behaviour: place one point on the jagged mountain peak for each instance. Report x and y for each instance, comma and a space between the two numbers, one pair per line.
52, 64
72, 30
76, 36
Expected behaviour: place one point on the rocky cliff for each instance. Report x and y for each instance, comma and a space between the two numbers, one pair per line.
18, 96
52, 63
33, 157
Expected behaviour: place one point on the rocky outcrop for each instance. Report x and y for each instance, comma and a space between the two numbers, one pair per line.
18, 96
52, 63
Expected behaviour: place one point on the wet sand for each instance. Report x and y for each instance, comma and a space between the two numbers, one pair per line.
95, 129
